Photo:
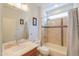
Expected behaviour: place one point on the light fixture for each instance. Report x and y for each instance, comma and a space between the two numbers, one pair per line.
24, 7
20, 6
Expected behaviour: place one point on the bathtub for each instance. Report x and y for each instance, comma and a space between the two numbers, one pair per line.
56, 50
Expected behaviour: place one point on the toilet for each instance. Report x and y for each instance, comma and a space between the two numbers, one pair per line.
43, 50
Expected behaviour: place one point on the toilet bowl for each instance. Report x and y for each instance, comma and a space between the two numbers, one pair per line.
43, 50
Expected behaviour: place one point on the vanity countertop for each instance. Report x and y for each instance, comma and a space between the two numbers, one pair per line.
19, 49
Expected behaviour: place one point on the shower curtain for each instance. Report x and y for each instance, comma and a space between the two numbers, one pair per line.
0, 29
73, 38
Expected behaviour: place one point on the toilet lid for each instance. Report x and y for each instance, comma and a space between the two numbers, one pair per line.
43, 48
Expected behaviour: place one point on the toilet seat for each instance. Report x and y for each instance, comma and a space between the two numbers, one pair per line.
43, 50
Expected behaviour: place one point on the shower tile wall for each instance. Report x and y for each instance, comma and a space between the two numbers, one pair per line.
53, 35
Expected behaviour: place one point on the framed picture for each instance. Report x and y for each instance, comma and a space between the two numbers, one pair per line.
21, 21
34, 21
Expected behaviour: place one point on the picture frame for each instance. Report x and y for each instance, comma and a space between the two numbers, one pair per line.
21, 21
34, 21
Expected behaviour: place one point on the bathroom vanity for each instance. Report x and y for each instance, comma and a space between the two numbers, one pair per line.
26, 48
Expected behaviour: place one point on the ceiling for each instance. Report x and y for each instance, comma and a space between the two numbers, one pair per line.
47, 4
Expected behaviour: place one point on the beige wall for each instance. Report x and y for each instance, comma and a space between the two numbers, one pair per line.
11, 18
11, 27
33, 30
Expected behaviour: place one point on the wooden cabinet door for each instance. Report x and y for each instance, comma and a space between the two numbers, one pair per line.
33, 52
